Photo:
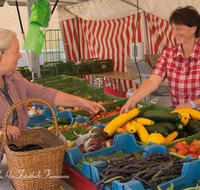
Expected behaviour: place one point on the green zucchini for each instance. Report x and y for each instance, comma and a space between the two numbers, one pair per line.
159, 128
171, 126
193, 127
182, 134
161, 115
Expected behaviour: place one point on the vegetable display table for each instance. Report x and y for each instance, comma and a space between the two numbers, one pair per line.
76, 180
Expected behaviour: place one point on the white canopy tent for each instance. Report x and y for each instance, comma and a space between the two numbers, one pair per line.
114, 9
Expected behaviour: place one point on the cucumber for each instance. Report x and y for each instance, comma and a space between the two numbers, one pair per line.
161, 115
193, 127
171, 126
159, 128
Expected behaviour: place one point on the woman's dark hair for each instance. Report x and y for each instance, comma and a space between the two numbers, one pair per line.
187, 16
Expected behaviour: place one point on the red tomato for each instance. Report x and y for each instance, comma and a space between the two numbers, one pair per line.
179, 145
183, 152
187, 146
172, 149
192, 149
118, 108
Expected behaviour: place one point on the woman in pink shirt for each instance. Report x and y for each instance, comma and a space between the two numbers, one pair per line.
180, 64
13, 87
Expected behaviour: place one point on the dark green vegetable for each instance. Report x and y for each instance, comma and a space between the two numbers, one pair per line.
69, 134
64, 120
193, 126
182, 134
161, 115
80, 130
159, 128
171, 126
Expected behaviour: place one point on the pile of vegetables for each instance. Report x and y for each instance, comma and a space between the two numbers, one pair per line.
150, 171
159, 126
185, 149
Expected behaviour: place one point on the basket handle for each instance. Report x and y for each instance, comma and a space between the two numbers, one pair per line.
5, 138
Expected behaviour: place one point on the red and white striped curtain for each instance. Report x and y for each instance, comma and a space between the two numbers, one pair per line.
111, 39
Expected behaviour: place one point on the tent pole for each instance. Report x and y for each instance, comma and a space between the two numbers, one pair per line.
146, 32
23, 35
145, 23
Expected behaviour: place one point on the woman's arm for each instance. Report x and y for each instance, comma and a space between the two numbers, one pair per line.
146, 88
188, 105
64, 99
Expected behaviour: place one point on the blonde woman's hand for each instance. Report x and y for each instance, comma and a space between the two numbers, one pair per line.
91, 107
12, 133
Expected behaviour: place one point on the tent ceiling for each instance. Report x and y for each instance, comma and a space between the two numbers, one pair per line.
114, 9
52, 2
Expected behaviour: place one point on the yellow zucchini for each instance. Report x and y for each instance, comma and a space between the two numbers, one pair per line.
131, 128
120, 120
169, 138
195, 114
142, 132
144, 121
156, 138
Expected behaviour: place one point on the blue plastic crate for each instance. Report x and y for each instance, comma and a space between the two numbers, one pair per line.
39, 119
80, 119
190, 172
66, 113
125, 143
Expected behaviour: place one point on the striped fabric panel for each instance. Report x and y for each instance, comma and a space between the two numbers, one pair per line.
111, 39
159, 34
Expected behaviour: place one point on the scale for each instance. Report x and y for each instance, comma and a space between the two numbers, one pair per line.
161, 95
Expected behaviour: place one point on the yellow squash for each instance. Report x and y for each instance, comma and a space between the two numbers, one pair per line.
169, 138
142, 132
156, 138
120, 120
195, 114
131, 128
144, 121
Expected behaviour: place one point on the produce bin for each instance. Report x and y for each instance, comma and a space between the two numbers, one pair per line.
44, 118
47, 70
66, 83
24, 71
110, 118
67, 68
188, 140
104, 65
108, 107
125, 143
50, 79
84, 68
89, 91
190, 175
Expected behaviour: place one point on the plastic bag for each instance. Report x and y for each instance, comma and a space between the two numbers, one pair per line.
34, 39
40, 13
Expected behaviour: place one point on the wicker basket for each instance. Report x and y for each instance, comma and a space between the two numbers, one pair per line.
36, 169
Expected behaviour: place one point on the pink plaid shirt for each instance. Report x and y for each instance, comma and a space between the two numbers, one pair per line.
183, 75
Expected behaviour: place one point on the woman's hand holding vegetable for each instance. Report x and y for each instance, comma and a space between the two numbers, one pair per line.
146, 88
12, 133
130, 104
